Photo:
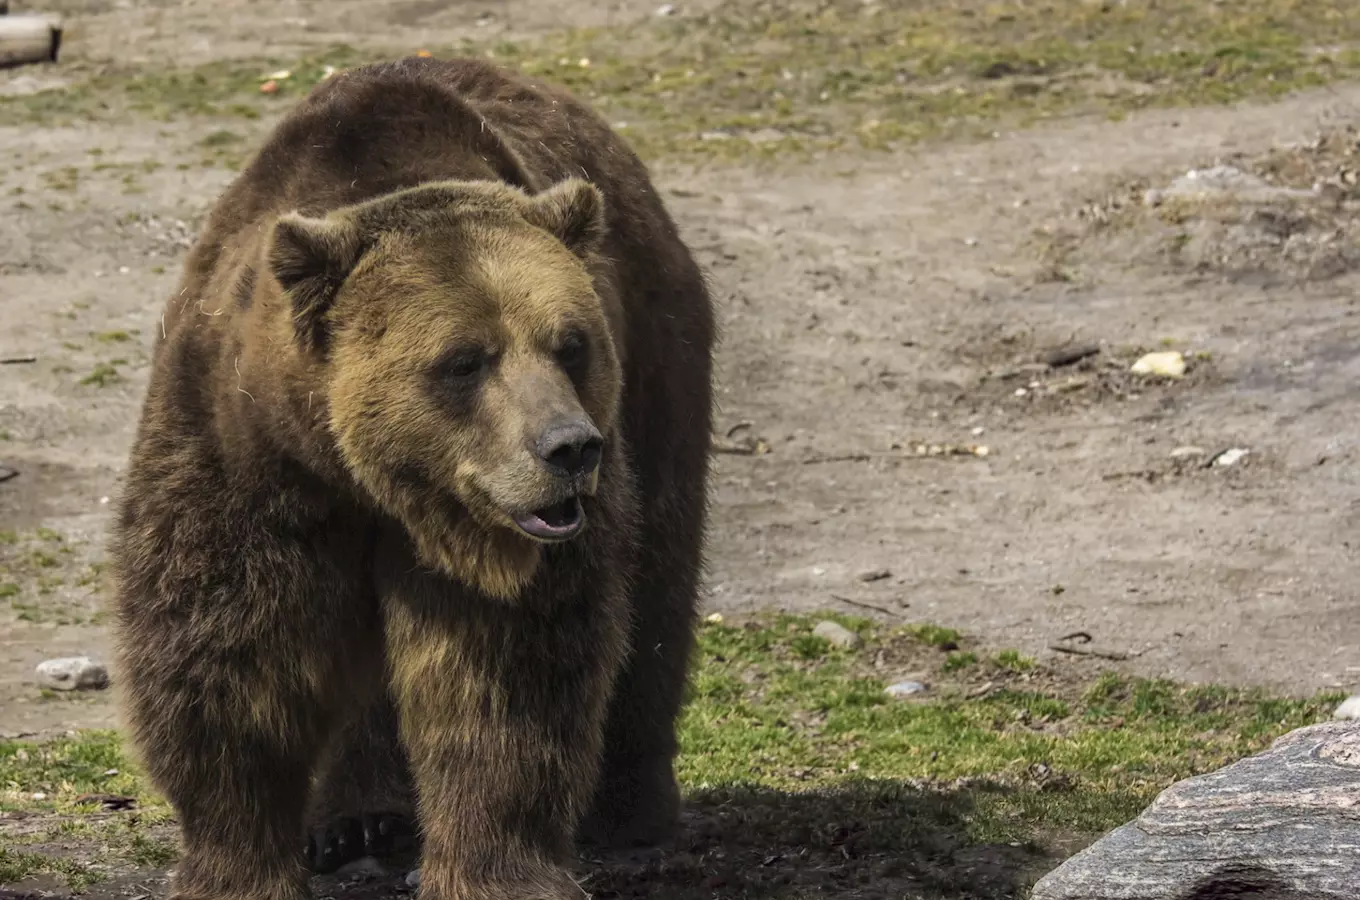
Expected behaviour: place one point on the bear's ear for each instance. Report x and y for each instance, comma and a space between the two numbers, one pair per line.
311, 258
573, 210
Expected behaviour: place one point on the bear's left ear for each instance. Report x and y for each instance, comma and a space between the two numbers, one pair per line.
311, 258
573, 211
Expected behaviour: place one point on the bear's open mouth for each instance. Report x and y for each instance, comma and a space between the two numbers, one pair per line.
554, 523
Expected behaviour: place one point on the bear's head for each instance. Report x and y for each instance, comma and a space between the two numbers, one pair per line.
469, 367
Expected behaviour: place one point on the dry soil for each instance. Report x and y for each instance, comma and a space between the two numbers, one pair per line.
871, 305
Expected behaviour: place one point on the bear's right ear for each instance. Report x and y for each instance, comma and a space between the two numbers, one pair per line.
311, 258
572, 210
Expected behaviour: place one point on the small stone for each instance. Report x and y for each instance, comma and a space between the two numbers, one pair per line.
714, 618
1231, 457
837, 635
666, 9
76, 673
904, 689
1349, 708
269, 87
365, 865
413, 878
874, 575
1187, 452
1168, 363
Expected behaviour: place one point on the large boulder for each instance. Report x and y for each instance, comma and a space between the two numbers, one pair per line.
1282, 825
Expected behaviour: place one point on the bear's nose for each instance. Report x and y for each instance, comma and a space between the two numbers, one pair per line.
572, 448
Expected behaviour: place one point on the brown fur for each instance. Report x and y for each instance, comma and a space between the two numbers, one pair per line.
315, 549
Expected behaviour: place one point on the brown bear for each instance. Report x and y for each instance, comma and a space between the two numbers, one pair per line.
413, 520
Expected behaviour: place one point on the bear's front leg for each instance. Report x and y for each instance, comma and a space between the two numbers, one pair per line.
239, 638
502, 707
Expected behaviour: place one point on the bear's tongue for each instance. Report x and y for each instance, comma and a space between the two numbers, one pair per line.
563, 515
561, 520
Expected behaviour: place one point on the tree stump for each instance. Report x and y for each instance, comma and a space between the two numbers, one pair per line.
29, 39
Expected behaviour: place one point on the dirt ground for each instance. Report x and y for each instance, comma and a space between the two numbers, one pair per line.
870, 304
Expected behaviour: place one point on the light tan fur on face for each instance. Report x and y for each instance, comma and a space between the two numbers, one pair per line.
451, 462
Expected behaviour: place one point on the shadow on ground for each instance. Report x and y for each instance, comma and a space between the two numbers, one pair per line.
880, 839
873, 839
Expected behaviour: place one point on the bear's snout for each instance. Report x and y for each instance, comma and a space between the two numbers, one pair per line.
570, 449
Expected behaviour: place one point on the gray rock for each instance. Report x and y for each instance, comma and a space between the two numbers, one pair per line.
77, 673
1226, 182
1282, 825
837, 635
1349, 708
905, 689
413, 878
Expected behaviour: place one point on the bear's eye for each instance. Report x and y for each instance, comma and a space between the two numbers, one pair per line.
463, 363
574, 353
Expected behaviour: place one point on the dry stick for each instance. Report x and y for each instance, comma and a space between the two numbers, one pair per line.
846, 457
864, 604
1116, 655
1072, 353
12, 360
721, 445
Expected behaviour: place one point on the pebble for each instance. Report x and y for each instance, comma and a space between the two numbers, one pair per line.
667, 9
1168, 363
1187, 452
1231, 457
837, 635
1349, 708
365, 865
413, 878
75, 673
874, 575
904, 689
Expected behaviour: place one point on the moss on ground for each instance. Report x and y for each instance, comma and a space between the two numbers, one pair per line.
800, 768
763, 79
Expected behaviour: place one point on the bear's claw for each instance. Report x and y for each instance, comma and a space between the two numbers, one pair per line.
344, 840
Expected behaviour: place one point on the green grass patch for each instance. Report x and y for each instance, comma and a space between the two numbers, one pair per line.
102, 375
758, 79
797, 764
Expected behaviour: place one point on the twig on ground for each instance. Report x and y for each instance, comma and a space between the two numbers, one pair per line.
843, 457
865, 604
